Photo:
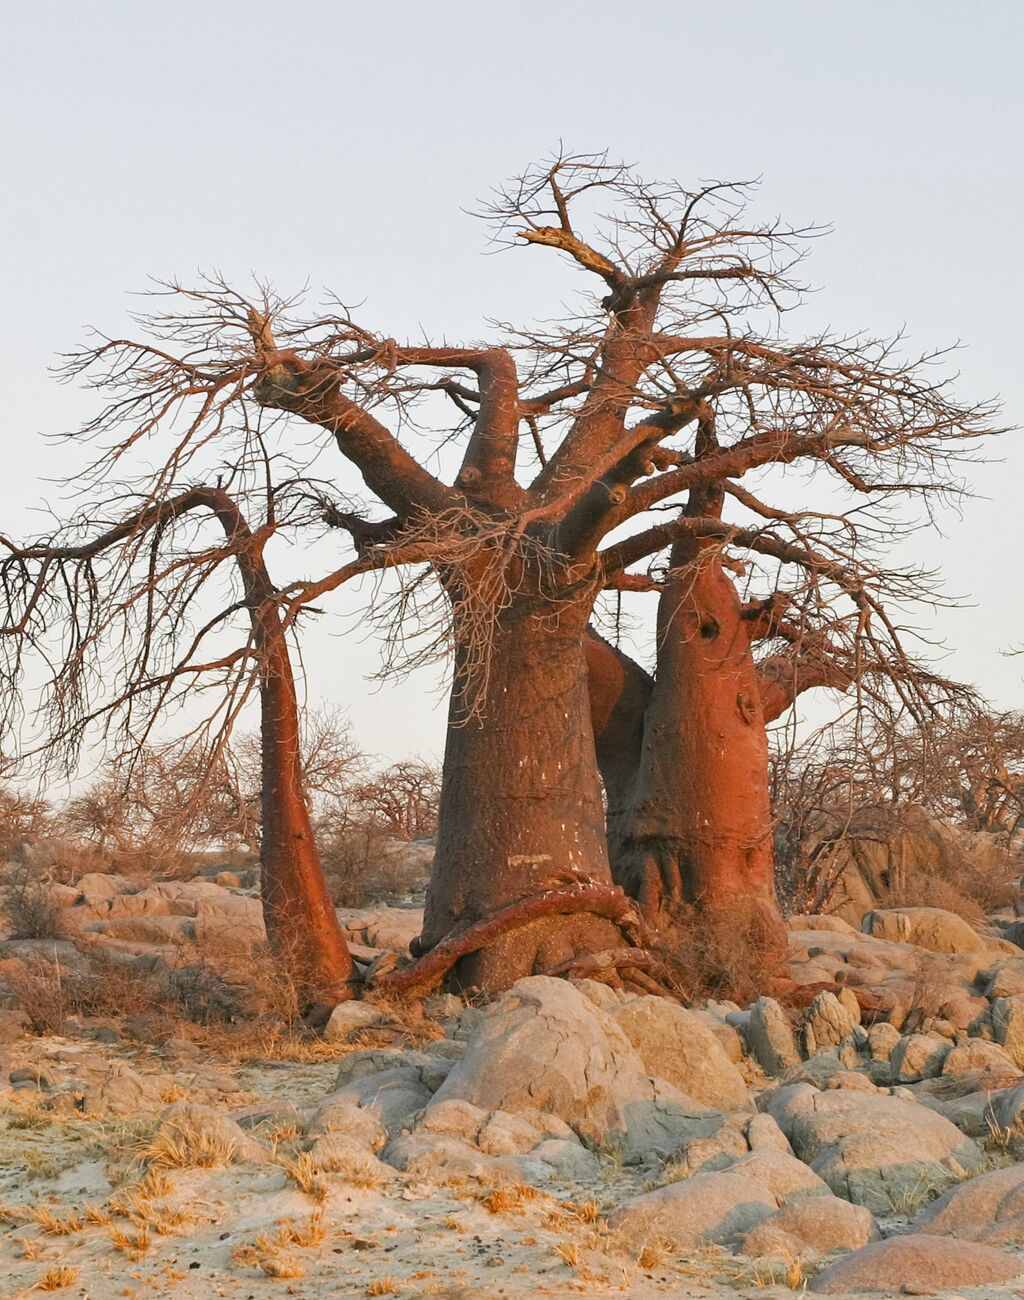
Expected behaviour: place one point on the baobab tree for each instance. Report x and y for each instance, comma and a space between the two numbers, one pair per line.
575, 436
124, 616
685, 756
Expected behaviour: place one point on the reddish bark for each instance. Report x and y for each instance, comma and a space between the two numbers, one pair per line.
585, 898
700, 831
302, 926
521, 798
620, 692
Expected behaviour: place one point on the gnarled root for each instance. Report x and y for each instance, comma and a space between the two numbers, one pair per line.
636, 967
597, 900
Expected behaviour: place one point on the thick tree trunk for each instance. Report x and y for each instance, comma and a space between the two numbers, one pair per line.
521, 799
302, 926
620, 692
700, 832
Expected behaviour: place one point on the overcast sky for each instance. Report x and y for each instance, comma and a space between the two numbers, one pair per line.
341, 143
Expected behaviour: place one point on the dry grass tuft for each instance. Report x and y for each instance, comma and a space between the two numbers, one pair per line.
270, 1251
309, 1233
56, 1279
653, 1253
52, 1225
180, 1145
303, 1172
568, 1252
133, 1244
511, 1197
383, 1286
586, 1211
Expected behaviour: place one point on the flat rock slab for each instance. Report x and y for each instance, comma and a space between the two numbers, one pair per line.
919, 1261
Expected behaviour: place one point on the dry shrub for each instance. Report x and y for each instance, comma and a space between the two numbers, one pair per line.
510, 1197
28, 904
722, 961
49, 991
921, 890
963, 887
362, 868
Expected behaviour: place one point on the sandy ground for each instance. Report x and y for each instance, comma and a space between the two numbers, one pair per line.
77, 1193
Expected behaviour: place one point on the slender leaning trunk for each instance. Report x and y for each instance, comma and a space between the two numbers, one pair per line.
521, 808
302, 926
700, 831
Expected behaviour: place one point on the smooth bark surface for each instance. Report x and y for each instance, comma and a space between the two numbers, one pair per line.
700, 831
302, 926
620, 692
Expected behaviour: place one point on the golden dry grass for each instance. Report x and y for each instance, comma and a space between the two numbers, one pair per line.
56, 1279
509, 1197
303, 1172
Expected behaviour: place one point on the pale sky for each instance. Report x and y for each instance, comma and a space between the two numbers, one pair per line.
341, 143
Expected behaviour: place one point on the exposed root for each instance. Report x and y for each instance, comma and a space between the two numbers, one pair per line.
643, 970
424, 974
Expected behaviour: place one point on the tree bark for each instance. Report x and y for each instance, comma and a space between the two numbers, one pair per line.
700, 829
620, 692
521, 802
302, 926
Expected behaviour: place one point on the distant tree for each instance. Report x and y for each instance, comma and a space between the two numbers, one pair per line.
402, 798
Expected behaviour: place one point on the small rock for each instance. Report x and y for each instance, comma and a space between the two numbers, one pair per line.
785, 1177
338, 1153
989, 1208
852, 1080
507, 1135
826, 1024
881, 1151
819, 1224
392, 1096
1006, 979
203, 1136
883, 1039
976, 1055
764, 1134
34, 1076
919, 1056
343, 1115
456, 1118
924, 927
1008, 1026
350, 1018
677, 1046
770, 1037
